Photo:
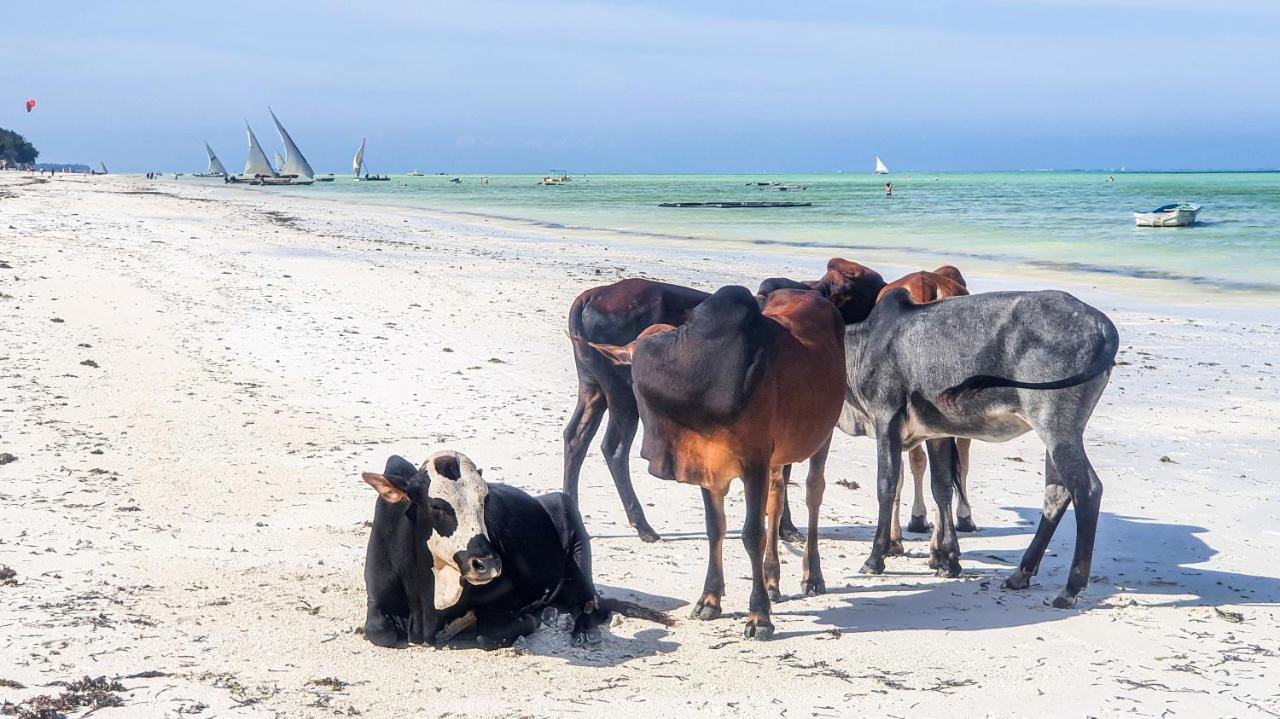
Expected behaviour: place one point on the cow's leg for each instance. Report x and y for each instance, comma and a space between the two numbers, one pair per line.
919, 519
773, 516
888, 469
895, 529
495, 633
964, 513
944, 549
755, 480
1086, 494
815, 487
624, 420
708, 606
1056, 499
788, 531
578, 433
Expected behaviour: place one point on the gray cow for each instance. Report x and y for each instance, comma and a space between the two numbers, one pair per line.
991, 367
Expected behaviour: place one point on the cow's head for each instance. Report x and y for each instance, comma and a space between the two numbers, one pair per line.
451, 492
623, 355
851, 287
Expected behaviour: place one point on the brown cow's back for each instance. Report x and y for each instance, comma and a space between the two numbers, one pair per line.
924, 287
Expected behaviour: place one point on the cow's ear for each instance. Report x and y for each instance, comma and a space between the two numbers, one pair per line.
385, 488
620, 356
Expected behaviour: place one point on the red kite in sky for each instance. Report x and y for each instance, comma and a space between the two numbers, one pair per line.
31, 105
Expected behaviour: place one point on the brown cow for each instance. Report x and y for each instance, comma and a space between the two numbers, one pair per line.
851, 287
615, 314
923, 288
741, 391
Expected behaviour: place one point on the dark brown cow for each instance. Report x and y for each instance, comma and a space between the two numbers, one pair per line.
741, 391
615, 314
923, 288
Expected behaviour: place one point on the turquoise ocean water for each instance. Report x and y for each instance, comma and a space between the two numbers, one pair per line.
1076, 222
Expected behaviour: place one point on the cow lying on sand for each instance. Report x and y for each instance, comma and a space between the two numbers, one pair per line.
740, 391
990, 367
923, 288
446, 546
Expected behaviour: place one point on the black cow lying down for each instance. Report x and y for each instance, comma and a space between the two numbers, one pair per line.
449, 551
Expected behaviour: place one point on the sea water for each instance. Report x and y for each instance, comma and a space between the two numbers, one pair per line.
1078, 222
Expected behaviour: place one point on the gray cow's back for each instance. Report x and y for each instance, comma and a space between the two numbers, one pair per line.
906, 354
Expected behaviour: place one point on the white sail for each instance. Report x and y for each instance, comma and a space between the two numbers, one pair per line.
215, 165
294, 162
358, 162
279, 162
881, 168
257, 164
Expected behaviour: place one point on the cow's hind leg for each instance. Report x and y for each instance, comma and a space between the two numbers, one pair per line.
919, 519
578, 433
624, 420
708, 605
755, 480
815, 487
497, 633
788, 531
773, 517
1086, 494
895, 527
964, 512
944, 549
1056, 499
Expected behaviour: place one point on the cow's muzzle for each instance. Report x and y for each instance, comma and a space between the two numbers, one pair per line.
479, 567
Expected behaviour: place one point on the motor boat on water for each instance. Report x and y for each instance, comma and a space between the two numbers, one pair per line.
554, 179
1178, 214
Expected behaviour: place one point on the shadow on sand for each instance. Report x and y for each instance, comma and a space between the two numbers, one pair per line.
1133, 556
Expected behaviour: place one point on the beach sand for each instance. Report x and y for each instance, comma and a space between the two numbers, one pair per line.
192, 379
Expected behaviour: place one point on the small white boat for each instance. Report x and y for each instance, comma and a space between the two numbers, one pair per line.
357, 164
295, 167
881, 168
1178, 214
561, 179
415, 173
215, 165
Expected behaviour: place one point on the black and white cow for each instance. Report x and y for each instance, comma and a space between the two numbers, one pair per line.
479, 552
989, 367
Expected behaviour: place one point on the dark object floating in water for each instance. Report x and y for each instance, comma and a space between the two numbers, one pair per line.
735, 204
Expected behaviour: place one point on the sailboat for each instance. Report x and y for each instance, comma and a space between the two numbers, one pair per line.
215, 165
295, 169
358, 163
257, 166
279, 161
881, 168
103, 165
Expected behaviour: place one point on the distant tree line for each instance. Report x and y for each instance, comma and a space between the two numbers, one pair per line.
15, 149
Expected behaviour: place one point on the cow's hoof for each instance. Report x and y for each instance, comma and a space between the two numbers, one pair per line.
919, 524
1064, 600
965, 524
705, 612
647, 534
948, 568
814, 587
758, 629
896, 549
487, 644
385, 637
775, 594
588, 637
1018, 580
791, 535
934, 562
873, 565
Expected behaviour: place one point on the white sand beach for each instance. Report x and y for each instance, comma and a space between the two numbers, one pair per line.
192, 379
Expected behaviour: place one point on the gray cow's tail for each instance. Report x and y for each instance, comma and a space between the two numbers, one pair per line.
635, 611
1102, 363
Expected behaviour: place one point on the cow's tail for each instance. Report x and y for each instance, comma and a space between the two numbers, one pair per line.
635, 611
1102, 363
575, 320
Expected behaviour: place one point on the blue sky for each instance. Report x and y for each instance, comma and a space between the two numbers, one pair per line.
653, 86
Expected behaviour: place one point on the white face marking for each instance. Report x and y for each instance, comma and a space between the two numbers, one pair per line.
463, 489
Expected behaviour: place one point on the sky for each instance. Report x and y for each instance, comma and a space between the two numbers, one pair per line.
492, 86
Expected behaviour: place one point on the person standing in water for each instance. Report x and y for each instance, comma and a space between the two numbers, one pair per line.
888, 189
